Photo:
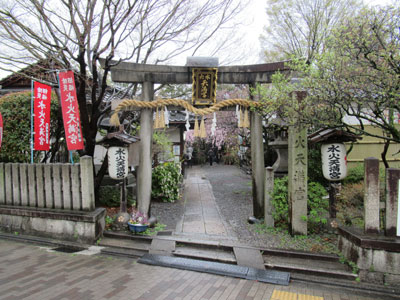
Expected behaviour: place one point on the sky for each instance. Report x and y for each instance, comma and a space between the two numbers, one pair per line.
256, 10
254, 16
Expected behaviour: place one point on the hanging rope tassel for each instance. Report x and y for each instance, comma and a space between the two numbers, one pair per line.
162, 118
156, 119
246, 122
203, 133
196, 128
238, 115
241, 119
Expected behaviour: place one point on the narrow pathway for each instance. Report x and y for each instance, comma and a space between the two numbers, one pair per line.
201, 215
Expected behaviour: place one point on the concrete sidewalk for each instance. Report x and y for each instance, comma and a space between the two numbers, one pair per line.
201, 215
32, 272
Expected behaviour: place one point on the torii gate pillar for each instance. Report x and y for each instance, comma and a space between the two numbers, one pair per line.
257, 163
146, 134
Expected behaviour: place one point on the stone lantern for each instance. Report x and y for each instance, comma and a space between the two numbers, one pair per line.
278, 141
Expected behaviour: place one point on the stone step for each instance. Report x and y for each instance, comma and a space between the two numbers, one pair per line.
300, 254
127, 236
222, 256
299, 263
313, 266
124, 252
141, 245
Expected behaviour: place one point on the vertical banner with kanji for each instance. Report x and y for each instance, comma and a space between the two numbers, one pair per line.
70, 111
41, 107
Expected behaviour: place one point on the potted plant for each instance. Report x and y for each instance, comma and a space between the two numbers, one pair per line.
138, 222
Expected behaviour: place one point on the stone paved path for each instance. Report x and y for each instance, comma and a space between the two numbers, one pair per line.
201, 214
32, 272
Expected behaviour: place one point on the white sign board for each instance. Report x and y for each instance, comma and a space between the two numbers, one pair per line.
334, 161
118, 162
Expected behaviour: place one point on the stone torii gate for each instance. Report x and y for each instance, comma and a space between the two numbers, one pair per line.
147, 75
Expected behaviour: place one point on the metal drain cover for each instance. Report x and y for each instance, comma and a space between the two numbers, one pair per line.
268, 276
68, 249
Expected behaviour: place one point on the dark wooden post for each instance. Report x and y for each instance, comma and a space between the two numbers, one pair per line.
332, 199
123, 206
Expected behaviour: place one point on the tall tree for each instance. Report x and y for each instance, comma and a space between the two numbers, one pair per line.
77, 34
355, 82
300, 27
359, 77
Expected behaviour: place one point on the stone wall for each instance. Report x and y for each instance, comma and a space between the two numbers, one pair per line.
85, 227
377, 258
375, 250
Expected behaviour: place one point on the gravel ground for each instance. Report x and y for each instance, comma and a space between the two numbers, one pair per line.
168, 213
233, 194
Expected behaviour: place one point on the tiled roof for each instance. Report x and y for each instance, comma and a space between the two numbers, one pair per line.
180, 117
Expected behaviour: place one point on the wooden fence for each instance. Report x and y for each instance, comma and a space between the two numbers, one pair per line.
53, 186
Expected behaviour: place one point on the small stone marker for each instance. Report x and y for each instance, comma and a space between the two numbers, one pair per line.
86, 166
371, 195
269, 189
392, 201
297, 179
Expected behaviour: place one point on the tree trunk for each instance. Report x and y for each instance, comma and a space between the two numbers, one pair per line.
384, 152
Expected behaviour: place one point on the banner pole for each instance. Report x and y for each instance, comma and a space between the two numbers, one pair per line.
32, 96
71, 157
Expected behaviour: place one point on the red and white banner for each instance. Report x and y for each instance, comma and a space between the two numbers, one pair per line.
1, 129
70, 111
41, 110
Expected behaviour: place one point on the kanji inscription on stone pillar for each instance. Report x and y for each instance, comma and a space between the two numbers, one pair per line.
297, 179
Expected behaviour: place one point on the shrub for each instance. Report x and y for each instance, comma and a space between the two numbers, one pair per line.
355, 175
162, 146
166, 178
110, 196
349, 206
317, 204
230, 158
352, 195
280, 202
16, 111
315, 173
